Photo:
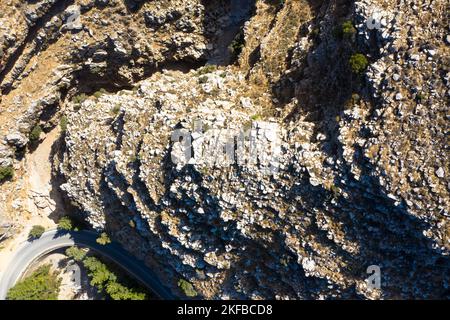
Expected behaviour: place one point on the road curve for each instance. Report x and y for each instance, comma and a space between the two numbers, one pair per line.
55, 239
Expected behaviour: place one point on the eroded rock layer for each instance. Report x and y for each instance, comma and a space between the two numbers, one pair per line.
350, 167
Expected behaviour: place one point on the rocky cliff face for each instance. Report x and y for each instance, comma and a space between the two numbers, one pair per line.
300, 172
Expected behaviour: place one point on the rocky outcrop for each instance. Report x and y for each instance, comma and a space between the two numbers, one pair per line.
91, 52
227, 224
285, 175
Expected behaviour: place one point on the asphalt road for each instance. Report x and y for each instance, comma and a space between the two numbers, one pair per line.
53, 240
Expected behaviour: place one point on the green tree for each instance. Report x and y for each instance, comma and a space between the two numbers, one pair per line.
6, 173
103, 239
106, 280
65, 223
187, 288
36, 232
40, 285
118, 291
348, 30
35, 133
98, 272
76, 253
358, 63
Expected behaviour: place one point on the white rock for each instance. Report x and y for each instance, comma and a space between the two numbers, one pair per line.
440, 172
308, 264
271, 135
314, 182
195, 135
246, 103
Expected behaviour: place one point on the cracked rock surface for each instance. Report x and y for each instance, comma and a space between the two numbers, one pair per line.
300, 173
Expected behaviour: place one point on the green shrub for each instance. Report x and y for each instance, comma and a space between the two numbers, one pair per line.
79, 98
203, 79
6, 173
347, 29
65, 223
207, 69
187, 288
36, 232
115, 110
35, 133
103, 239
76, 253
63, 123
40, 285
237, 45
99, 93
358, 63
